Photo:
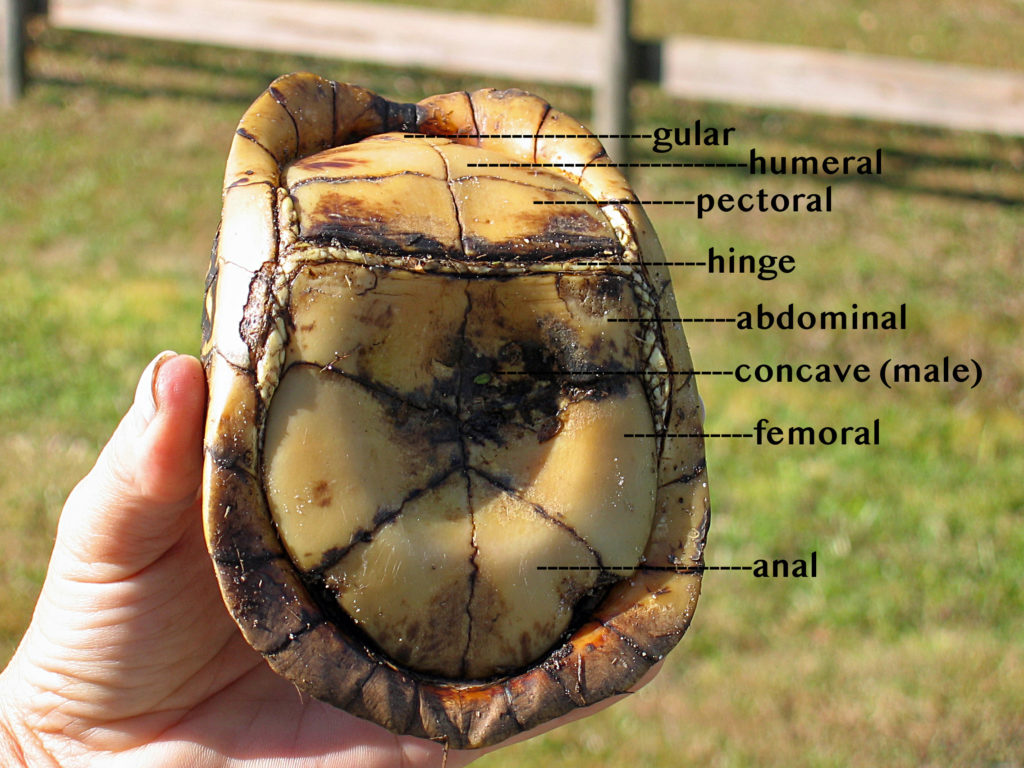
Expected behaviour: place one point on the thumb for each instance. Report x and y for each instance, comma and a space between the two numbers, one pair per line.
140, 497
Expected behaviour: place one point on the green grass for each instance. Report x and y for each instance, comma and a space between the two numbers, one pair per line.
904, 651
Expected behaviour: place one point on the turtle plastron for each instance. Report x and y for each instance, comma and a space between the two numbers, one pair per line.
419, 494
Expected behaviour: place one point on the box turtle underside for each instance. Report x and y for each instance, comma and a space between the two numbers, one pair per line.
448, 484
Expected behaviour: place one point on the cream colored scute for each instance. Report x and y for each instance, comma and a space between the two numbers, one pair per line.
408, 588
468, 162
505, 212
232, 282
332, 462
396, 185
512, 310
390, 327
401, 205
500, 204
247, 233
374, 157
519, 610
535, 307
589, 476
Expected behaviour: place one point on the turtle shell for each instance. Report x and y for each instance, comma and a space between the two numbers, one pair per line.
454, 482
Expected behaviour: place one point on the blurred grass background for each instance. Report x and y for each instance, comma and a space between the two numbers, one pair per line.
905, 650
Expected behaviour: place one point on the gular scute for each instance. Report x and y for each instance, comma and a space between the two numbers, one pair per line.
454, 478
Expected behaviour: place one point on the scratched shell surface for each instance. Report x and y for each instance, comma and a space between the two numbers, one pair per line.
442, 490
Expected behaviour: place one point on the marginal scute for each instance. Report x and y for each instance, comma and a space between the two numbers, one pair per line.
326, 664
228, 341
449, 115
508, 120
420, 498
354, 113
587, 672
573, 155
251, 164
270, 603
309, 101
268, 125
536, 697
390, 696
232, 417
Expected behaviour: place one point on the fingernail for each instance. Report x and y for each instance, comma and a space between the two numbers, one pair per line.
145, 392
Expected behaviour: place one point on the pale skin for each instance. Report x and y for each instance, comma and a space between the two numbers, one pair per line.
131, 658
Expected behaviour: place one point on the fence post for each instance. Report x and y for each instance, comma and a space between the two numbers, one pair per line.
12, 64
611, 93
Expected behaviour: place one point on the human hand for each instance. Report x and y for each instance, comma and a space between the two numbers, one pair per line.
131, 658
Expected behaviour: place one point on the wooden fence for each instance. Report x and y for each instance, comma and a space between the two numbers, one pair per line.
602, 56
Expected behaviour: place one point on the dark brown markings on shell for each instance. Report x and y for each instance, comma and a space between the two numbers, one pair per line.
333, 163
597, 294
584, 365
256, 322
548, 233
321, 494
360, 232
249, 137
539, 249
210, 300
233, 451
490, 401
402, 406
474, 573
688, 477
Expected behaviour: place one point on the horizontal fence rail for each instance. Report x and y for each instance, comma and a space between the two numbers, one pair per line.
399, 36
601, 56
848, 84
